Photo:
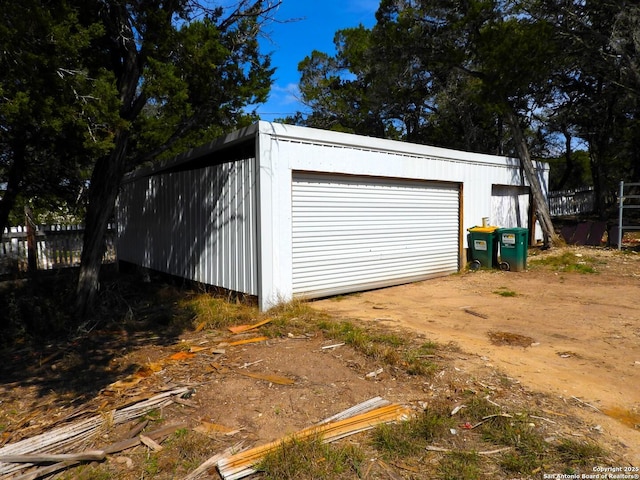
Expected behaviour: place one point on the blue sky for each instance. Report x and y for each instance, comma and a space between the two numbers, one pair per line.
303, 26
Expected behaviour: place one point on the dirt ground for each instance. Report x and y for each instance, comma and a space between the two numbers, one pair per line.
570, 335
565, 344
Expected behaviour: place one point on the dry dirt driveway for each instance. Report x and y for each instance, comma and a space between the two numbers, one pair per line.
583, 329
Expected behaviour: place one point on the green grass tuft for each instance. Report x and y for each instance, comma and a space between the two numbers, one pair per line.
312, 459
505, 292
460, 466
568, 262
580, 453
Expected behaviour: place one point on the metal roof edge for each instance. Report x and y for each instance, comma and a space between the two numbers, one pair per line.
237, 136
313, 135
310, 135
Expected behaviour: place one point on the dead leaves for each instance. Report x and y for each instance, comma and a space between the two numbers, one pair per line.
182, 356
240, 335
277, 379
510, 339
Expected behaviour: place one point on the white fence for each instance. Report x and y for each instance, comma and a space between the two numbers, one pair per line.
572, 202
56, 246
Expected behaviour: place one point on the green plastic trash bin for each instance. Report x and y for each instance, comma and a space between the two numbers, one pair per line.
513, 248
483, 243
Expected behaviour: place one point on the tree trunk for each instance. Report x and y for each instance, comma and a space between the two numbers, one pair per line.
32, 250
103, 191
568, 158
14, 186
539, 201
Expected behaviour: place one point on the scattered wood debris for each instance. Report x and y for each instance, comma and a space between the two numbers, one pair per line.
277, 379
433, 448
151, 443
457, 409
66, 438
475, 314
366, 406
335, 345
241, 464
375, 373
586, 404
245, 341
212, 462
86, 456
251, 363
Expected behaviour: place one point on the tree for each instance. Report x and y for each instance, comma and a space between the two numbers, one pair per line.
598, 91
182, 72
45, 127
341, 90
101, 86
421, 52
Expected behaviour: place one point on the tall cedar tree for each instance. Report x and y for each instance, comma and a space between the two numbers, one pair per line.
46, 135
183, 74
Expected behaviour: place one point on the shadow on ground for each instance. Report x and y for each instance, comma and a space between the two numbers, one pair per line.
43, 348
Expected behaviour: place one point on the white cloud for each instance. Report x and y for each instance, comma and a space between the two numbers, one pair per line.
286, 95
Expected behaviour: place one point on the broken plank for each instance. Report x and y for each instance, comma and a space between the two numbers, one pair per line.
44, 471
366, 406
152, 444
212, 462
475, 314
247, 340
241, 465
155, 435
246, 328
86, 456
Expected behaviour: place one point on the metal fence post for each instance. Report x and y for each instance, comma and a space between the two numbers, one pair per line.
621, 208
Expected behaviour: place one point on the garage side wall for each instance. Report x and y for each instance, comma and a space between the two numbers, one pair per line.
197, 224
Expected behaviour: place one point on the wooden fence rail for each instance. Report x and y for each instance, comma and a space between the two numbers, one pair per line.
571, 202
56, 246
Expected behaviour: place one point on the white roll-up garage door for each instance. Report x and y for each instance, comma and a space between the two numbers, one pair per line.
356, 233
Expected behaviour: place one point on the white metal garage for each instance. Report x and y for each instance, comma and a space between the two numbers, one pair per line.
278, 211
354, 233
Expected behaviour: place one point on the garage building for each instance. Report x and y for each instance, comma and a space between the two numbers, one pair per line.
278, 211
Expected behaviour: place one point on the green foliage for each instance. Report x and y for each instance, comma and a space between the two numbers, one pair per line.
50, 116
91, 89
448, 73
185, 451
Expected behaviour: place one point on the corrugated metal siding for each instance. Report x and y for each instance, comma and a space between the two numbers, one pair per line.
198, 224
353, 233
510, 206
